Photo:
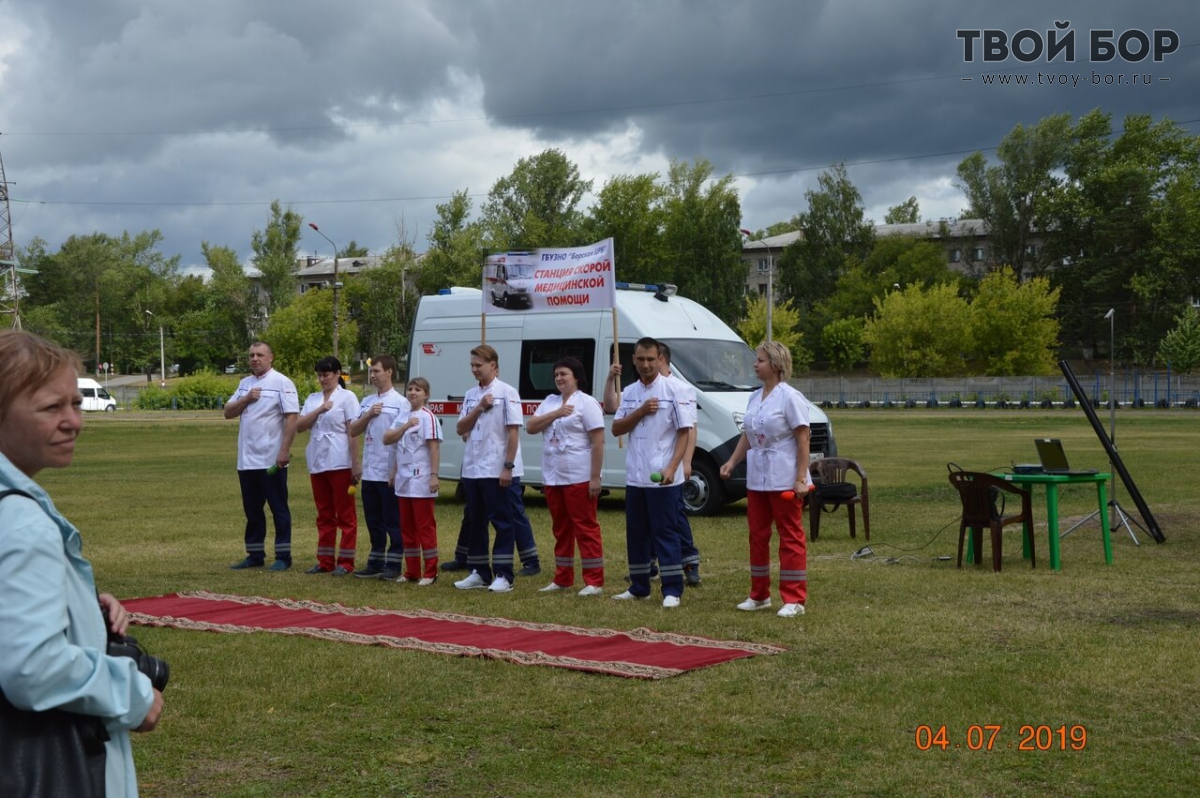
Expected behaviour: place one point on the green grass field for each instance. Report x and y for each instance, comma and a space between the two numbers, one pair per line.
890, 644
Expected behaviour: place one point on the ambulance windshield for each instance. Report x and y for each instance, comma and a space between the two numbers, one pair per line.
714, 365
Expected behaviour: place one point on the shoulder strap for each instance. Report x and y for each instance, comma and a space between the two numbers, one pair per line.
14, 492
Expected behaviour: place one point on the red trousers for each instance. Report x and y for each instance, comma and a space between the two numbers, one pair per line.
763, 508
573, 519
418, 532
336, 509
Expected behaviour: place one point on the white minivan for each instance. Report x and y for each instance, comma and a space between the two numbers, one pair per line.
705, 352
95, 397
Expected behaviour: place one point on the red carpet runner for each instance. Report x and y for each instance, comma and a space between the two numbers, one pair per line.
641, 653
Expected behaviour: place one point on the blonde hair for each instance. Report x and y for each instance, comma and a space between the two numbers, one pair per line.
27, 361
780, 358
421, 383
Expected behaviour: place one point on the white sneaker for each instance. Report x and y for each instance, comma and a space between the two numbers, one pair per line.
427, 581
553, 586
627, 596
592, 590
670, 602
500, 585
472, 582
750, 605
790, 610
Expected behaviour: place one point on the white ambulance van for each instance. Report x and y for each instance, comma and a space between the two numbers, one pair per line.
705, 352
95, 397
509, 283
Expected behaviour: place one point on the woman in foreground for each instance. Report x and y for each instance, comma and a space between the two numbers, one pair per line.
51, 624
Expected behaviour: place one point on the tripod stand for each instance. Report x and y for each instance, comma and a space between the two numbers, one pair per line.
1114, 506
1118, 512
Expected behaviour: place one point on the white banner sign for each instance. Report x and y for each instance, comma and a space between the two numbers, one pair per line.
573, 278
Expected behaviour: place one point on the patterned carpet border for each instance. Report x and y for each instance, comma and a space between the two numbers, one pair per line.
607, 651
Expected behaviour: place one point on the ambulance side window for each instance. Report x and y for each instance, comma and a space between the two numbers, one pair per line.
538, 359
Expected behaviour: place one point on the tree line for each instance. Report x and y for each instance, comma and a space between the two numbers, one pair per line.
1115, 214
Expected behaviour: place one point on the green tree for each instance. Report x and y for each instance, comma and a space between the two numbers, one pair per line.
701, 243
630, 210
842, 341
354, 250
275, 252
785, 320
907, 212
1180, 348
302, 333
1014, 197
893, 261
1014, 328
920, 332
1127, 224
836, 234
536, 205
381, 301
456, 249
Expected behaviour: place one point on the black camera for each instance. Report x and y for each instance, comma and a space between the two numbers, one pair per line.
156, 670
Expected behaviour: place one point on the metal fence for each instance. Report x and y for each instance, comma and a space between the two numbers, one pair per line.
1133, 388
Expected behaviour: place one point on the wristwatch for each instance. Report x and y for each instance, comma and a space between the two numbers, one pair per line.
510, 465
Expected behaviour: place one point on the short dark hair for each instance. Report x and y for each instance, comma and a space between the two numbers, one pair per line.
386, 362
648, 343
665, 351
576, 368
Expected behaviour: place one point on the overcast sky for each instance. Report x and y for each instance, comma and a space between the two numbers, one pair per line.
363, 115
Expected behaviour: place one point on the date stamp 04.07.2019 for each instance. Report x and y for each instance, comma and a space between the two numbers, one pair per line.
992, 737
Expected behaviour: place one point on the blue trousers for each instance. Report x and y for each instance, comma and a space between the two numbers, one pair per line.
382, 514
689, 554
488, 502
652, 530
259, 488
526, 547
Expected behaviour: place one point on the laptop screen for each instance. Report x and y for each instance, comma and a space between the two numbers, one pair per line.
1050, 452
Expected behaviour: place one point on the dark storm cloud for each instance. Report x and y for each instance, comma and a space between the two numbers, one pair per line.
224, 102
867, 80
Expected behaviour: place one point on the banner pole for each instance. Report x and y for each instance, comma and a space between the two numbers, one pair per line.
482, 328
617, 359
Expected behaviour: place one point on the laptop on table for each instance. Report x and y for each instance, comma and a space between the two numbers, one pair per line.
1054, 459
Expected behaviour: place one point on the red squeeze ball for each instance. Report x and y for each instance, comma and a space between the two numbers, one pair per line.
788, 495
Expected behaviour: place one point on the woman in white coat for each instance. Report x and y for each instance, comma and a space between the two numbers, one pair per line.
572, 427
775, 443
333, 466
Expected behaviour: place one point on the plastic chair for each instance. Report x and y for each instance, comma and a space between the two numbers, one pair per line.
835, 469
982, 506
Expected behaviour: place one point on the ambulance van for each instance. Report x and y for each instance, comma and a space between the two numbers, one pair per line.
705, 353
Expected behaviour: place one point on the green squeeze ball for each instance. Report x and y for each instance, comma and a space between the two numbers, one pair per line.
656, 476
271, 469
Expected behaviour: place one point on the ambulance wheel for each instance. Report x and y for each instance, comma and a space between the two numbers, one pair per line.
704, 493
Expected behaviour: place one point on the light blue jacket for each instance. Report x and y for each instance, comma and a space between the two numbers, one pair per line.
52, 635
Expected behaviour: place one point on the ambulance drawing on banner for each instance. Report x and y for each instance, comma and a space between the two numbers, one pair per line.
509, 279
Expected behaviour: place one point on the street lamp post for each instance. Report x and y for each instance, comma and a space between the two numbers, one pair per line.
336, 284
162, 351
770, 280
